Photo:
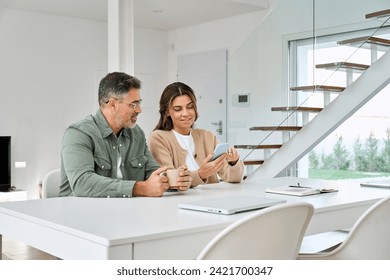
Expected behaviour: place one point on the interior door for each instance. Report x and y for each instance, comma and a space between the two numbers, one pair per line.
206, 74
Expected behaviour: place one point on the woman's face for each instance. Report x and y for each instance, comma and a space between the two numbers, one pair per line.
182, 113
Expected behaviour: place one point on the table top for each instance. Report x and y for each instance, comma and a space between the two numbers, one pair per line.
116, 221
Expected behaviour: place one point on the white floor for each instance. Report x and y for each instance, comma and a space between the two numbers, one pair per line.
15, 250
320, 242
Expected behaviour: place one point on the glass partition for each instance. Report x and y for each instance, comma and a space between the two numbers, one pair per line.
301, 58
358, 146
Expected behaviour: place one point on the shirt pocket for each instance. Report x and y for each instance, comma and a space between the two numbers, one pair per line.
102, 166
139, 162
137, 168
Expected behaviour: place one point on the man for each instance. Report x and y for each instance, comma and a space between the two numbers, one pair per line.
105, 155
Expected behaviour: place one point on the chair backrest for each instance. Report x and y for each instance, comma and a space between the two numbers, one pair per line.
369, 238
51, 184
272, 233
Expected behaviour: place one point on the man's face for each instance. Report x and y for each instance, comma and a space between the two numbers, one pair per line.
128, 109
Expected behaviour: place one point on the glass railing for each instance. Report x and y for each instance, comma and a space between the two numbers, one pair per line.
356, 148
298, 61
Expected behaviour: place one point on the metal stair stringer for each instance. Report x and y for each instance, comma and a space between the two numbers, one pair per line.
372, 81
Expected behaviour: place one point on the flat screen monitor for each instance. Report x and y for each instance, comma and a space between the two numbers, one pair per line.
5, 163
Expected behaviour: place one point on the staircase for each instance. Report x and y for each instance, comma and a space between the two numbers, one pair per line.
297, 141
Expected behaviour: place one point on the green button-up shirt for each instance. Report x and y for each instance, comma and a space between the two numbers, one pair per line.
89, 159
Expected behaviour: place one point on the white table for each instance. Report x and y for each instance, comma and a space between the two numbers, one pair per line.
154, 228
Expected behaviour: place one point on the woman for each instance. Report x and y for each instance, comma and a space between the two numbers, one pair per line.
175, 142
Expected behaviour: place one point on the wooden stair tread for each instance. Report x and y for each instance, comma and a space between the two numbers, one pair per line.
378, 14
297, 108
343, 66
318, 88
366, 39
253, 147
276, 128
253, 162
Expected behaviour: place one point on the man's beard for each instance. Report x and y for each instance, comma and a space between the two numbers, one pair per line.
127, 124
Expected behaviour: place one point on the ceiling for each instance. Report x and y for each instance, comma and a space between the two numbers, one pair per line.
155, 14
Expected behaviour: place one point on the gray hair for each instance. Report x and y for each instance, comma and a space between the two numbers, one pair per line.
116, 84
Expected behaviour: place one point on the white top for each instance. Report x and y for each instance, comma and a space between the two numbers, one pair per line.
187, 143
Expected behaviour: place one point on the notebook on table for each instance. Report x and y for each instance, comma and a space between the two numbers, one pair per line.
230, 204
377, 184
298, 190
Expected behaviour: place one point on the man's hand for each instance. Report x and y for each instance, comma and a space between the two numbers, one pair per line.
154, 186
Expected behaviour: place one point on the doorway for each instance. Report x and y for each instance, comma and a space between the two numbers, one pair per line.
206, 74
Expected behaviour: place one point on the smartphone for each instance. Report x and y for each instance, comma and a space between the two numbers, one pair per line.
220, 150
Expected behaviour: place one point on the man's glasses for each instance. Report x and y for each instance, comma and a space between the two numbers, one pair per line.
133, 104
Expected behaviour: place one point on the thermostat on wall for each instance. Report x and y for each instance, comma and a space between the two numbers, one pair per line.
241, 100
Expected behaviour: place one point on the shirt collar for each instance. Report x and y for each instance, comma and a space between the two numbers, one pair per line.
103, 126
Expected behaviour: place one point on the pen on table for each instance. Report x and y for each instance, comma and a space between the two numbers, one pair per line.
299, 186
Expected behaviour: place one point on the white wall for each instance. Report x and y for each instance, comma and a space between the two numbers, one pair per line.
151, 64
49, 73
227, 33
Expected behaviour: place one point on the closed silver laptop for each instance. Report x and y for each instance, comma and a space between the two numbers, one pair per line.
230, 204
377, 184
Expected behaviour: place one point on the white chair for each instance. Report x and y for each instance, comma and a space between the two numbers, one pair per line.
368, 239
51, 184
272, 233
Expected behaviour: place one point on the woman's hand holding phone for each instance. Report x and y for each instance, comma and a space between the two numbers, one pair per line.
222, 148
219, 150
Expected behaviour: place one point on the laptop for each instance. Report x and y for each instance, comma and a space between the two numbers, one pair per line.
377, 184
230, 204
